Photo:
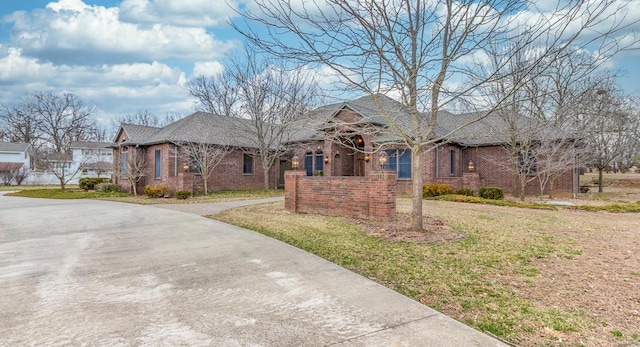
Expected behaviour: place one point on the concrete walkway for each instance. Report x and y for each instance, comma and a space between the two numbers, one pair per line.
87, 272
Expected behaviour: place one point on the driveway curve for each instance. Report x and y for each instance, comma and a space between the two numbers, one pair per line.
87, 272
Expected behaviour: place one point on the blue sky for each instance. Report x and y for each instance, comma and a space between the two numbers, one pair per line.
134, 55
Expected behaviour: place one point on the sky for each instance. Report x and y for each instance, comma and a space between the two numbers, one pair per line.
129, 56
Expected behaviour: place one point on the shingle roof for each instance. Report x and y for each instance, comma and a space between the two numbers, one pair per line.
13, 147
137, 134
471, 129
202, 127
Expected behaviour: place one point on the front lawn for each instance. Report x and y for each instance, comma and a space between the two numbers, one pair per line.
530, 277
57, 193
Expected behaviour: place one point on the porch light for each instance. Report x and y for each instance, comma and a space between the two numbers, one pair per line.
326, 159
471, 167
383, 159
367, 157
295, 162
185, 167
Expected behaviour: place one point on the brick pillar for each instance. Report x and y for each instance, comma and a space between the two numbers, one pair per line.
291, 189
471, 181
382, 195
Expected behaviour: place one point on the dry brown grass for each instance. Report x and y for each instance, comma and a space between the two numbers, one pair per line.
531, 277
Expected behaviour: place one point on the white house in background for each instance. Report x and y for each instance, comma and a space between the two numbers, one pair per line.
15, 153
92, 159
14, 159
87, 159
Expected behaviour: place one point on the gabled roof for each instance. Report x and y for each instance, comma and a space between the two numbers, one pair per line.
470, 129
13, 147
137, 134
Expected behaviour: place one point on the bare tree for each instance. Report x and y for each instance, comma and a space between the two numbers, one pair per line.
203, 158
611, 125
133, 165
21, 174
22, 126
267, 101
63, 118
420, 50
61, 166
13, 172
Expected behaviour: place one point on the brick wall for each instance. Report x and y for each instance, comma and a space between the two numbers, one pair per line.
372, 197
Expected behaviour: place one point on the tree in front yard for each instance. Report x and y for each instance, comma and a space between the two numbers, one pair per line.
202, 158
266, 100
133, 165
430, 55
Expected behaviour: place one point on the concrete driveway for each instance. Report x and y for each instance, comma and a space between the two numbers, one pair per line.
88, 273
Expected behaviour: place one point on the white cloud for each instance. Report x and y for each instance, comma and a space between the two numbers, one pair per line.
74, 5
120, 88
71, 32
205, 13
206, 68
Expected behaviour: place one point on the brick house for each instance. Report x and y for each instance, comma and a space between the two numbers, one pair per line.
474, 156
321, 152
164, 163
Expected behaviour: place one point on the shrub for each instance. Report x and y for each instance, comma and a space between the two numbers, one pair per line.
436, 189
90, 183
110, 188
182, 194
491, 193
157, 191
464, 191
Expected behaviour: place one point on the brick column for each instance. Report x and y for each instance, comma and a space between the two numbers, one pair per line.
291, 189
382, 195
471, 181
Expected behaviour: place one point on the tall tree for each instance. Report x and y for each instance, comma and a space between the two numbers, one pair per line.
611, 124
266, 99
425, 51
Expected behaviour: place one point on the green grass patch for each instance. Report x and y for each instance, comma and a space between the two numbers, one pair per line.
50, 193
615, 208
477, 200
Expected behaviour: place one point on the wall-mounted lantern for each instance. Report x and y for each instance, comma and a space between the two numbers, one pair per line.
367, 157
295, 162
326, 159
185, 167
383, 159
471, 167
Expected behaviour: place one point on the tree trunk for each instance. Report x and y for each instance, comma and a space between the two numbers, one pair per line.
416, 172
523, 188
552, 182
206, 186
133, 188
265, 173
600, 169
63, 186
